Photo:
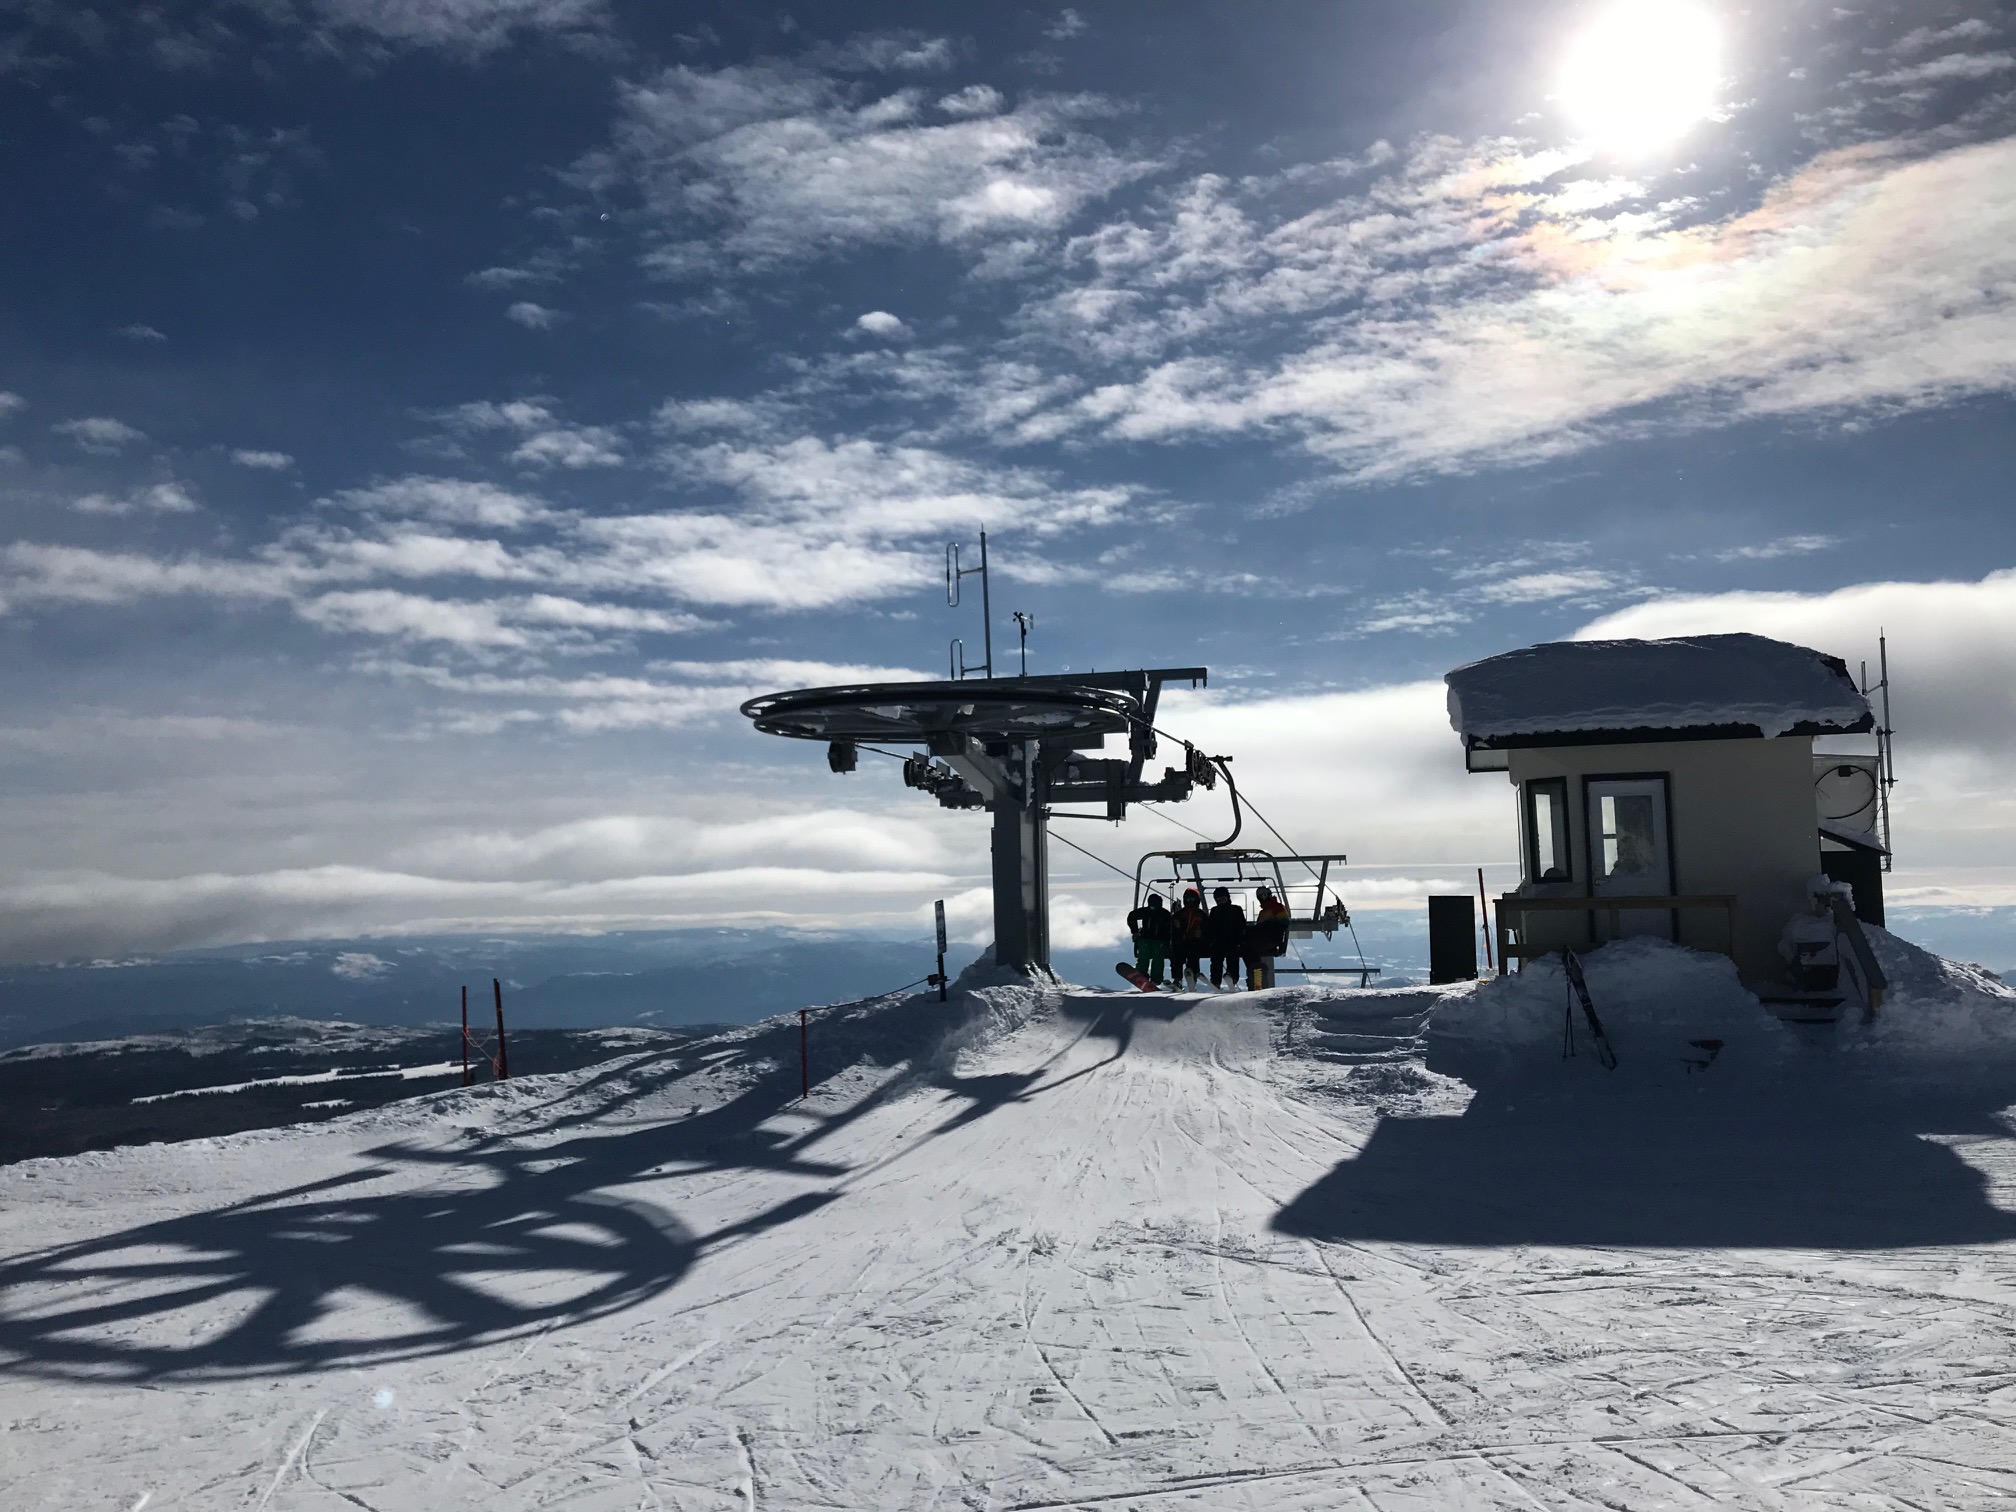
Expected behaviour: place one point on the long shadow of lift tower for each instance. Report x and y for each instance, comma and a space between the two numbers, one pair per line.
1014, 746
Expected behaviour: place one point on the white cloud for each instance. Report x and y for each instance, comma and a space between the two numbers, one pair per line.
746, 168
882, 323
1540, 587
1924, 38
409, 616
755, 417
1953, 646
772, 673
571, 446
597, 701
534, 317
497, 279
1418, 613
540, 619
973, 100
812, 524
9, 403
1784, 546
1464, 314
262, 461
140, 333
1953, 66
633, 845
887, 52
447, 501
359, 966
95, 913
488, 415
548, 441
1953, 674
469, 27
99, 433
1390, 749
35, 573
157, 498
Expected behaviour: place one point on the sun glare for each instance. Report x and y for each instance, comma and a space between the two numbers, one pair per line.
1642, 74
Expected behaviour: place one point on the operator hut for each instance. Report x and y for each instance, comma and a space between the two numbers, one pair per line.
1672, 776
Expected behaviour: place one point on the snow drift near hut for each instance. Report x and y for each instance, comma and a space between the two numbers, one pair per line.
1654, 999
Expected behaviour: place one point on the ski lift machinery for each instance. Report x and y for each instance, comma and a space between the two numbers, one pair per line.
1018, 747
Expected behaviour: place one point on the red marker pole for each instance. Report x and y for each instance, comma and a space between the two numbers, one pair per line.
804, 1059
503, 1059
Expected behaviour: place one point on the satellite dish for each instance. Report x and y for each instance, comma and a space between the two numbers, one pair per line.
1845, 789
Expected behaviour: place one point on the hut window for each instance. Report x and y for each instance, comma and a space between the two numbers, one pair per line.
1547, 830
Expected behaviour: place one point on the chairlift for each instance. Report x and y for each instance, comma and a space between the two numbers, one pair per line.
1313, 906
1301, 882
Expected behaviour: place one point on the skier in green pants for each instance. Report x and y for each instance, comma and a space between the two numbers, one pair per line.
1150, 928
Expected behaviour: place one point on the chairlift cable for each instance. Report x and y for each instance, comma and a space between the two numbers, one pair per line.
1162, 813
1084, 852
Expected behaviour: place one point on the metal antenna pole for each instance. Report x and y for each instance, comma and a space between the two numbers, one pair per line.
1024, 623
986, 607
1885, 758
956, 653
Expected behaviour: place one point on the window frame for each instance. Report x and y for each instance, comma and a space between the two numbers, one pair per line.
1564, 850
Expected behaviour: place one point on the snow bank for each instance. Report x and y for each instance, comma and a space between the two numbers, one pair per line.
1696, 682
1653, 997
1935, 1012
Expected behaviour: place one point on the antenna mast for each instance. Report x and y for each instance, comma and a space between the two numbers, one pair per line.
1886, 775
1886, 761
953, 574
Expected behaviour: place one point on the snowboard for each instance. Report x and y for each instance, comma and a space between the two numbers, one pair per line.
1139, 979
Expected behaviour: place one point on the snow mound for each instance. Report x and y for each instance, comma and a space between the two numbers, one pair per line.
1935, 1010
1654, 999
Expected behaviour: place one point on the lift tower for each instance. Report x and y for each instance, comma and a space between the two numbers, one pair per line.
1017, 747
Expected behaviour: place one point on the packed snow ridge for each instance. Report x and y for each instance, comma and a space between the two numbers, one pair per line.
1046, 1247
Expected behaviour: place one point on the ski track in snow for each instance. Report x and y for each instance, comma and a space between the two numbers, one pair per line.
1081, 1259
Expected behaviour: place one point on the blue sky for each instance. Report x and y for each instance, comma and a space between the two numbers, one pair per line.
421, 424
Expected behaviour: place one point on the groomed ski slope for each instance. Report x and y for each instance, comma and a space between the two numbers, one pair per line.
1042, 1249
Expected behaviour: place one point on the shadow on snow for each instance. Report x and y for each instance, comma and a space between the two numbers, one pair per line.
510, 1235
1790, 1165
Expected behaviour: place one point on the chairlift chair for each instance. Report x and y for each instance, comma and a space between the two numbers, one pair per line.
1314, 907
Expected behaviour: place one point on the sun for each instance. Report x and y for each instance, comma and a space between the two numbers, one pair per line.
1642, 74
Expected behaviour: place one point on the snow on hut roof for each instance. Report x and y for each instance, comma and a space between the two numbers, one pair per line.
1693, 687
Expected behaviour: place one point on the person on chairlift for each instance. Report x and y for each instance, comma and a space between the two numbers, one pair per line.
1150, 928
1225, 938
1266, 938
1186, 941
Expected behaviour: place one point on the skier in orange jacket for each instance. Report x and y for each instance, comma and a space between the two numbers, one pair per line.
1266, 938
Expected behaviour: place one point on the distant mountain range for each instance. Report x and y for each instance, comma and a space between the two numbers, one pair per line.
664, 979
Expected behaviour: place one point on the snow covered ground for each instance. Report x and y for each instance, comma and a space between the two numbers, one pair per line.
1071, 1249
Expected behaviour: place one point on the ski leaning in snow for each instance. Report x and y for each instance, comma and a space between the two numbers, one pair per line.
1139, 979
1578, 986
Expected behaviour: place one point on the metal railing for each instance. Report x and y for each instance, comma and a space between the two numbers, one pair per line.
1511, 906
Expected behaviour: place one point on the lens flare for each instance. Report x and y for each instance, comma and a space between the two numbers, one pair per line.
1642, 74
